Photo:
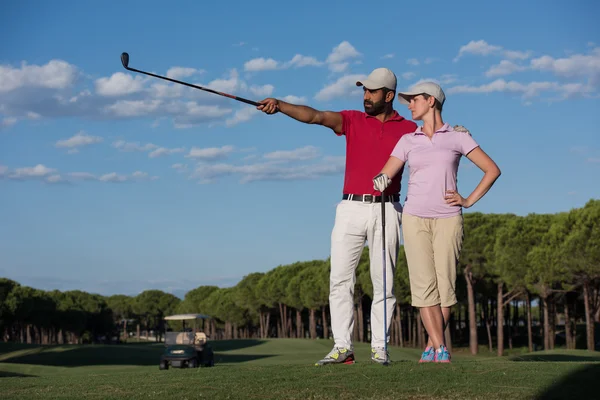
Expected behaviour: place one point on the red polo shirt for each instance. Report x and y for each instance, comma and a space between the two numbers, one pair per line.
369, 144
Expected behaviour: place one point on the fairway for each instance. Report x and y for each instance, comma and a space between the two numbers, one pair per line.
284, 369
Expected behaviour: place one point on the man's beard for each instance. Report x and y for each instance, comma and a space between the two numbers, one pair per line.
374, 108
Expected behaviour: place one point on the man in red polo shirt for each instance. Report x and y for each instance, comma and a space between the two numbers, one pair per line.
370, 138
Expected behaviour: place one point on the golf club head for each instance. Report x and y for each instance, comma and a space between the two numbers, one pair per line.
125, 59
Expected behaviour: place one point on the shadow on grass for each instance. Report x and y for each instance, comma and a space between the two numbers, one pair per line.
222, 359
6, 374
123, 354
556, 358
576, 385
228, 345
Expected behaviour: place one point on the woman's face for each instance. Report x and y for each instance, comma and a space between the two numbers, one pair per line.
419, 106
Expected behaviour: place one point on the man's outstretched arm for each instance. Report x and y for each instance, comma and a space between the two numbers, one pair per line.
308, 115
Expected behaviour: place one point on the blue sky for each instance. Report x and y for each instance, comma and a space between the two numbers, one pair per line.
114, 182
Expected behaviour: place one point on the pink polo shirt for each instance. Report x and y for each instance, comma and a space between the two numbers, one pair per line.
433, 167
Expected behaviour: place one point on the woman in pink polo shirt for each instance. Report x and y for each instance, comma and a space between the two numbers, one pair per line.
432, 220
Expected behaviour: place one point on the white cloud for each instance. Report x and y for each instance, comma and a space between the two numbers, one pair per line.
576, 65
119, 84
412, 61
447, 78
140, 176
8, 121
112, 177
260, 64
388, 56
84, 176
50, 175
179, 167
300, 60
183, 72
133, 146
161, 151
133, 108
528, 90
164, 90
303, 153
342, 87
78, 140
56, 74
338, 59
197, 112
408, 75
242, 115
294, 99
39, 171
479, 47
269, 64
210, 153
483, 48
338, 67
504, 68
517, 55
228, 85
54, 179
263, 91
100, 98
269, 171
342, 52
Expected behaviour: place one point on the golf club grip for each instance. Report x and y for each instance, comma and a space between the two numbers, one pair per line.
197, 87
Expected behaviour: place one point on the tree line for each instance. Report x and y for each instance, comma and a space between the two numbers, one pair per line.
529, 280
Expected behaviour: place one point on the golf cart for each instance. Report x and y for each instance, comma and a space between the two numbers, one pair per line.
188, 348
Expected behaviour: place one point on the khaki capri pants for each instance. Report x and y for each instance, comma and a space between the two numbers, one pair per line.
432, 247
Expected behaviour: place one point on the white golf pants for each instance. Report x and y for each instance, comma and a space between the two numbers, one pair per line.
356, 222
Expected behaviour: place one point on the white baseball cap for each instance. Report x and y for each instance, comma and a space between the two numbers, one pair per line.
379, 78
430, 88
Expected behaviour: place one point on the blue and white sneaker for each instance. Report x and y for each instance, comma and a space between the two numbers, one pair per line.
442, 355
428, 355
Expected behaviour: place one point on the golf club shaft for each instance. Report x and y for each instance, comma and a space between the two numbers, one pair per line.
383, 259
196, 87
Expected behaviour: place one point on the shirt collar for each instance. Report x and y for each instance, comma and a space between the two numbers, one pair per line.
445, 128
394, 117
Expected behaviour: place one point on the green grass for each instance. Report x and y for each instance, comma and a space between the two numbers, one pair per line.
284, 369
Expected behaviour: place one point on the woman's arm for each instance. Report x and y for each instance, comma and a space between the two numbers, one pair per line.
491, 173
392, 166
389, 170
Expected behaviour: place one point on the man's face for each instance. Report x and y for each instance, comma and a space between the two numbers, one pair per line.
374, 101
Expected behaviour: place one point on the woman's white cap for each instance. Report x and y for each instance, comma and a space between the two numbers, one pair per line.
430, 88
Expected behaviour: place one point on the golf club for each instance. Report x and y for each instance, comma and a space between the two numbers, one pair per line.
125, 62
383, 258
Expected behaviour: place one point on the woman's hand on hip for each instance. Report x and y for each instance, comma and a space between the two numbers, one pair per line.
453, 198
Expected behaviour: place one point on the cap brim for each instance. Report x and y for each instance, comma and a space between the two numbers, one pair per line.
368, 84
404, 97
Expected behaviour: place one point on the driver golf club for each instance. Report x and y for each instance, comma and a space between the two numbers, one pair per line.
125, 62
383, 259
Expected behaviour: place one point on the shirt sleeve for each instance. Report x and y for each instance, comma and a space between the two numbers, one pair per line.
401, 149
347, 117
466, 143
